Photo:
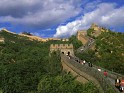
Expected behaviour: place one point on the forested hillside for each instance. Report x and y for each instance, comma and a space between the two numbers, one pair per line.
110, 50
108, 53
26, 67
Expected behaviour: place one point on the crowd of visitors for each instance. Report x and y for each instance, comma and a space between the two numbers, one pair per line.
119, 83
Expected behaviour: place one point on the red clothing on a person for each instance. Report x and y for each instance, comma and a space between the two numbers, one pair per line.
105, 73
122, 82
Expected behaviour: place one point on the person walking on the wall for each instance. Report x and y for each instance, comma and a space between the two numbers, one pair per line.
105, 73
117, 83
122, 85
99, 69
89, 64
84, 62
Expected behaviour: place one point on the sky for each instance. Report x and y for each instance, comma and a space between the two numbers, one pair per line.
60, 18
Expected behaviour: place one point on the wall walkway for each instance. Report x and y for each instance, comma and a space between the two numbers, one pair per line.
85, 73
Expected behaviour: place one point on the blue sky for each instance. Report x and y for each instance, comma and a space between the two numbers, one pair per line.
60, 18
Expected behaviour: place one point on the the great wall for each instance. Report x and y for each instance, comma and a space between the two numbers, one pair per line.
81, 35
84, 38
84, 73
32, 37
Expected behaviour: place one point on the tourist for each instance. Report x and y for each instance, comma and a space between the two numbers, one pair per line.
105, 73
82, 49
117, 83
99, 69
84, 62
89, 64
81, 62
122, 85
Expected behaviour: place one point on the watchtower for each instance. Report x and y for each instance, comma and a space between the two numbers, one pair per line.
63, 48
82, 36
97, 30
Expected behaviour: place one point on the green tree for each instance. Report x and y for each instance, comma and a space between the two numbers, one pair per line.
76, 43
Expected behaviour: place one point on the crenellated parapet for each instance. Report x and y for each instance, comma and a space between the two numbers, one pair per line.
61, 46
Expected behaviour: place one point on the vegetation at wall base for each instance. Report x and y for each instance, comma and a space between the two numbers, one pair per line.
76, 43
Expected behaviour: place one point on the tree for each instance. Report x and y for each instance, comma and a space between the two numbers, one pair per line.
76, 43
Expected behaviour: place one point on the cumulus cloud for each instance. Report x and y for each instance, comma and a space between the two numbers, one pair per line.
105, 14
38, 13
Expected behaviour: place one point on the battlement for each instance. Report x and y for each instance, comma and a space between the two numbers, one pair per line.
61, 46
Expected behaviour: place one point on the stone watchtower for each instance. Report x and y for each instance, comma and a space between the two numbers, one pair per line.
97, 30
63, 48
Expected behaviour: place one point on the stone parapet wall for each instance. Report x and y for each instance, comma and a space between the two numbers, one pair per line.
71, 69
91, 74
111, 74
82, 76
61, 46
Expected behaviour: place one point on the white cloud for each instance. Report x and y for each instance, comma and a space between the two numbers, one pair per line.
38, 13
105, 14
91, 5
1, 29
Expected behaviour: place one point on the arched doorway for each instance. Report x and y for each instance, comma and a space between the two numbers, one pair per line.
68, 53
62, 52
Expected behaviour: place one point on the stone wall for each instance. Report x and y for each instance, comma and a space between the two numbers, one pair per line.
70, 68
87, 73
82, 36
82, 76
